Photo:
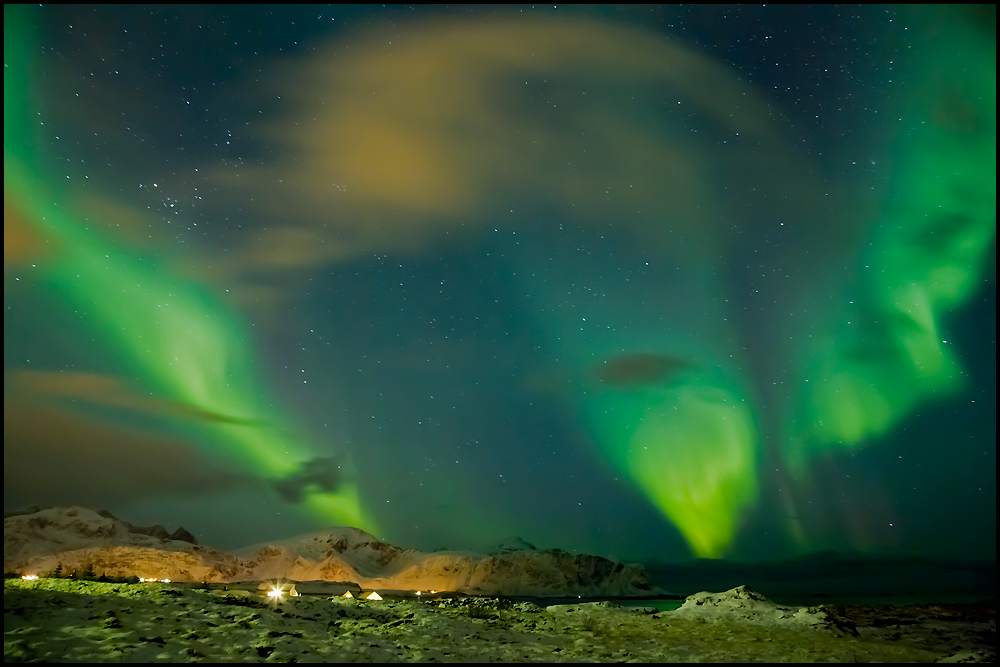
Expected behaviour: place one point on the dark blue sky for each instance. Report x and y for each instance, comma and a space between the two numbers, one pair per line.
642, 282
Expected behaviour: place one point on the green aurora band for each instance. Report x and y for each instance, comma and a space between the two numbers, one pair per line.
693, 447
183, 343
927, 255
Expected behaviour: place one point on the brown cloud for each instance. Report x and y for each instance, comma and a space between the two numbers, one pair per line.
637, 369
448, 125
109, 391
54, 455
23, 242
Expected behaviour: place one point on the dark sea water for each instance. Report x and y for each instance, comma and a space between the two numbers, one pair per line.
830, 578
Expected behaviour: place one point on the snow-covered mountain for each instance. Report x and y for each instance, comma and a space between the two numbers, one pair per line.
35, 542
64, 529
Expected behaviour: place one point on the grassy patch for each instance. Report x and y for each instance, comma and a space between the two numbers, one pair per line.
591, 624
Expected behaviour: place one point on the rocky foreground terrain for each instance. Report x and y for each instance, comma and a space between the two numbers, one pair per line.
57, 620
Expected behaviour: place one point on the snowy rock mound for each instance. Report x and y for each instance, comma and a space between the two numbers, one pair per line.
747, 605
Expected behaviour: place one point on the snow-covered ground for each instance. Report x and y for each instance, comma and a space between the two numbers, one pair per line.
56, 620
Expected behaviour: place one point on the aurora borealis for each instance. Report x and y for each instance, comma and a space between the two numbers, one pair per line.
652, 282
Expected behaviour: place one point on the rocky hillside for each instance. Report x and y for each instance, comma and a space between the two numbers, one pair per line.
35, 542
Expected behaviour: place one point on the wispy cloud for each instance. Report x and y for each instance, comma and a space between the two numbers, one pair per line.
57, 455
460, 124
113, 392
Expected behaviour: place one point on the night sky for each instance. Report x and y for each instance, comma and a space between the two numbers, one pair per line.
649, 282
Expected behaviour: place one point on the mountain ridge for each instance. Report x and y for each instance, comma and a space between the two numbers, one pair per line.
78, 538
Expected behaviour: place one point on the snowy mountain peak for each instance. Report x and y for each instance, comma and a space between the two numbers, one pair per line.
57, 529
509, 544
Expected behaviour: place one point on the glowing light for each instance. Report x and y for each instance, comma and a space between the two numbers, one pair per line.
373, 596
29, 577
277, 591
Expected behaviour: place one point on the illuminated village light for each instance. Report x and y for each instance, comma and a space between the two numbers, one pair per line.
348, 594
373, 596
276, 592
29, 577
